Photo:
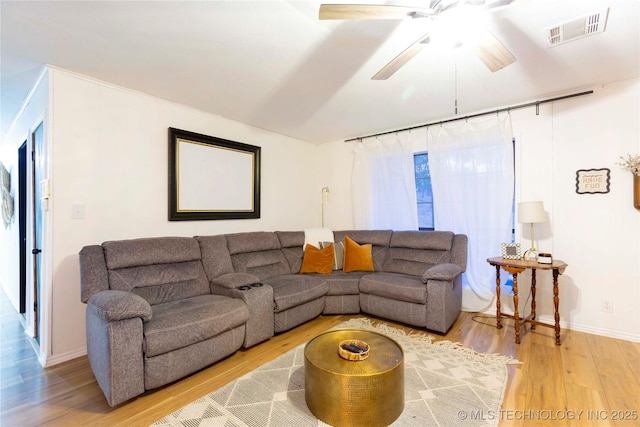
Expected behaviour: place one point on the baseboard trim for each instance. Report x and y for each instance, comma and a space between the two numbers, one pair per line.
53, 360
587, 329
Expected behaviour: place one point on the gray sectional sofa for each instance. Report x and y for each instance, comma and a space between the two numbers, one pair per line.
159, 309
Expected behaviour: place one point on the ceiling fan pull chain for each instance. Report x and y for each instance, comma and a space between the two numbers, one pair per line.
455, 73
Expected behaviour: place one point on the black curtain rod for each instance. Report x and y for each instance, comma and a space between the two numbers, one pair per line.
499, 110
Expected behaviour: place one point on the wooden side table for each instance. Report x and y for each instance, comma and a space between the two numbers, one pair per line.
515, 267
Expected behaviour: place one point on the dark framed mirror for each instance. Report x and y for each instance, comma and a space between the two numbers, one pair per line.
212, 178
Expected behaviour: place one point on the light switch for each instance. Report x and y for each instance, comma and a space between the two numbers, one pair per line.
77, 211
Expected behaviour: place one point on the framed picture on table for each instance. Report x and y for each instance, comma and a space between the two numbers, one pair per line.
511, 251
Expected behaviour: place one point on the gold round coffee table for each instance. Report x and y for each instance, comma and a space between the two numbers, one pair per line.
343, 392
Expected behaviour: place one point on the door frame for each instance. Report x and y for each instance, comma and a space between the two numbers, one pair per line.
38, 172
43, 345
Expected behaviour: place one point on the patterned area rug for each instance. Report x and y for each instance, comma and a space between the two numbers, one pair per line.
445, 385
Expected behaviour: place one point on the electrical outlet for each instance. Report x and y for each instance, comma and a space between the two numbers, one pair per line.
607, 306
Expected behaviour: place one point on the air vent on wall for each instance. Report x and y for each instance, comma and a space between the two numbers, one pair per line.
577, 28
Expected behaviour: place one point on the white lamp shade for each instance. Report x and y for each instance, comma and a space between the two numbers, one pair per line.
531, 212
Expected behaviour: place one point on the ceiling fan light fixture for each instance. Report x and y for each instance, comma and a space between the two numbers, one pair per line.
453, 23
459, 26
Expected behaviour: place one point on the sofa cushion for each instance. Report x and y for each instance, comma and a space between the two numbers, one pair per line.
178, 324
263, 264
215, 255
357, 257
161, 282
290, 239
295, 289
413, 252
254, 241
150, 251
317, 260
394, 286
375, 237
291, 243
258, 253
159, 269
435, 240
341, 283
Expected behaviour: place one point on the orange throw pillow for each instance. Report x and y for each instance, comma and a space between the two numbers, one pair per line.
317, 260
357, 257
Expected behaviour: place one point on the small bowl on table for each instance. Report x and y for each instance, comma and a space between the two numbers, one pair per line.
353, 350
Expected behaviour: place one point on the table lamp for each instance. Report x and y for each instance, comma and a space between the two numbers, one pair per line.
531, 212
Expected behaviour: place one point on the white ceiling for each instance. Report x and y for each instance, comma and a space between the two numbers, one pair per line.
274, 65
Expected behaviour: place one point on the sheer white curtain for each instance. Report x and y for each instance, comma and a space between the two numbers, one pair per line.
471, 166
383, 184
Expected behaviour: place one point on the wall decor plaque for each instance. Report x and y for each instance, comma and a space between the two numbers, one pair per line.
592, 181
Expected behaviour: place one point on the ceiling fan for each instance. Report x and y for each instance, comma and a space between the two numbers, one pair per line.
489, 49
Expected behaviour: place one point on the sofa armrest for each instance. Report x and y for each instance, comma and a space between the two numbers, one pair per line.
114, 328
259, 301
444, 295
234, 280
445, 272
115, 305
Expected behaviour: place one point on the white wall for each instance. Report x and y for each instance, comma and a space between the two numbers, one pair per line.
109, 151
589, 132
335, 163
598, 235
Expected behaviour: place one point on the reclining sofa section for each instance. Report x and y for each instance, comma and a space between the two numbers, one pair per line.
159, 309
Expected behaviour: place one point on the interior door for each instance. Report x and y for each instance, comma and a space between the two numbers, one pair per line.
37, 177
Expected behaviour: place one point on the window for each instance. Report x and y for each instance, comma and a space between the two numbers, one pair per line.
423, 191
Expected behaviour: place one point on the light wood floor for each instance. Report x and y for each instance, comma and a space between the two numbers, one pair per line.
597, 375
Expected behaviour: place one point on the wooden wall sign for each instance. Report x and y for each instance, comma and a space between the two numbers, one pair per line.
592, 181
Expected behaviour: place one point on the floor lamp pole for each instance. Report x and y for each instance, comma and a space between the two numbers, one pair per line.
324, 197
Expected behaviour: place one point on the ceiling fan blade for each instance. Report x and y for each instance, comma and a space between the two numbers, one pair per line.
365, 11
493, 53
399, 61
